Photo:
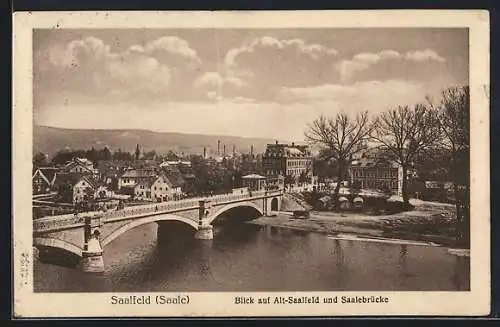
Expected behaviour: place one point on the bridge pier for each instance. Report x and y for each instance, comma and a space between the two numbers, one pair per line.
92, 260
204, 232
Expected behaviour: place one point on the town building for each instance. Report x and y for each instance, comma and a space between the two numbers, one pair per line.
254, 182
110, 171
43, 179
164, 187
282, 160
367, 173
167, 187
142, 189
78, 187
80, 166
132, 177
175, 163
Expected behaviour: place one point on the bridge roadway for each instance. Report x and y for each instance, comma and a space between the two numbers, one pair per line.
86, 234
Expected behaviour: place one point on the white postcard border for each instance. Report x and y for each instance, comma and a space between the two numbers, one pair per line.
30, 304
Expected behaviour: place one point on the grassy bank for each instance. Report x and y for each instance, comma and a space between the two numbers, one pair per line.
428, 222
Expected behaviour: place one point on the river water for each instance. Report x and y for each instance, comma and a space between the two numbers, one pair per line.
260, 258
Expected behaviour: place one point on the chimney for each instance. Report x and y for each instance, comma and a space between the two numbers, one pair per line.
218, 147
204, 153
276, 142
224, 150
234, 150
251, 150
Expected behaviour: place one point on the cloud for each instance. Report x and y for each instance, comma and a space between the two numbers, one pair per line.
363, 61
176, 46
89, 66
424, 55
215, 86
215, 80
374, 96
314, 51
267, 62
135, 72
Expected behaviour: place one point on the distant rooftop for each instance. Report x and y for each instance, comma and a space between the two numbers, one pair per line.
369, 162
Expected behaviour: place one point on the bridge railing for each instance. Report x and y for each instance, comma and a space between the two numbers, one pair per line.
152, 208
65, 221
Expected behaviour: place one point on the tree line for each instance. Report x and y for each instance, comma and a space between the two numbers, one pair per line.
95, 155
409, 135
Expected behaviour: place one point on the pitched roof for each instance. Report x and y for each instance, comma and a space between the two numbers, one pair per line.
105, 165
78, 162
139, 173
253, 176
74, 178
171, 169
147, 182
84, 161
49, 172
175, 178
92, 182
286, 150
368, 162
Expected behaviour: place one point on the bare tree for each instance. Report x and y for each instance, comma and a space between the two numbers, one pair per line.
340, 138
453, 117
406, 133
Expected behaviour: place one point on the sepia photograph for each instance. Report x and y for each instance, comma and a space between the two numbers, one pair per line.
270, 159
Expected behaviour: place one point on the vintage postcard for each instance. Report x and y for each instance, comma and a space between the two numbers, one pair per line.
243, 164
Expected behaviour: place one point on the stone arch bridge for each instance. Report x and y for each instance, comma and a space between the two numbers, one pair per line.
85, 236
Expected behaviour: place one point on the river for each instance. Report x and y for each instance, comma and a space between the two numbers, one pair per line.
260, 258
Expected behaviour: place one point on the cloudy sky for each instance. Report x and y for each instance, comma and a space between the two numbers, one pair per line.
246, 82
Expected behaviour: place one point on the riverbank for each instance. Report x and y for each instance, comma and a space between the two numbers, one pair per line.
429, 222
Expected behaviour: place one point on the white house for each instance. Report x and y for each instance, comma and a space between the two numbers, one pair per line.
81, 166
133, 176
43, 179
85, 186
161, 188
142, 189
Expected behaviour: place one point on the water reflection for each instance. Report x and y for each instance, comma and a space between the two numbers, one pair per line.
244, 257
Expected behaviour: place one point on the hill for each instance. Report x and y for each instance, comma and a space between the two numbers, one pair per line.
50, 140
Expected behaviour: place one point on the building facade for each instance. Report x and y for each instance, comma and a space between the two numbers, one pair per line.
159, 189
43, 180
142, 189
165, 189
372, 174
133, 176
282, 160
81, 166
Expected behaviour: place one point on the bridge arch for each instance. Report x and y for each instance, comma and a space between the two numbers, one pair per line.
152, 219
230, 206
57, 244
